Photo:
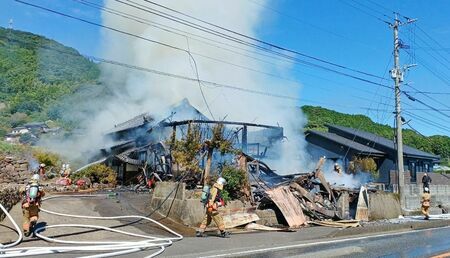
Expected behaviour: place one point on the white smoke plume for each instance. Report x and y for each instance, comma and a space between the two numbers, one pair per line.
136, 92
344, 179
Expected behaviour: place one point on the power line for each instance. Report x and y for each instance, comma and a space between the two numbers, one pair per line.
301, 21
437, 53
365, 11
428, 121
184, 34
428, 92
248, 37
373, 10
425, 111
425, 104
183, 50
431, 70
432, 39
380, 6
161, 73
439, 76
143, 69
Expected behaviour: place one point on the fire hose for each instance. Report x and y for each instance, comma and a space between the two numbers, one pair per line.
111, 248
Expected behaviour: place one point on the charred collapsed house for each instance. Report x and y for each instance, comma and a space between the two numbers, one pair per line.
141, 142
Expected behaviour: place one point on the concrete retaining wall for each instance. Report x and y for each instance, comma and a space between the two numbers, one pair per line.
439, 194
383, 205
182, 205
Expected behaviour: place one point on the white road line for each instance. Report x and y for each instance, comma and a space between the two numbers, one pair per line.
334, 241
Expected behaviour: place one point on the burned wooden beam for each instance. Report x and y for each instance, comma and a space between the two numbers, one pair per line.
185, 122
288, 205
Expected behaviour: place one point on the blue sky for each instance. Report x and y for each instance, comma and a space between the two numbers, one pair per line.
332, 30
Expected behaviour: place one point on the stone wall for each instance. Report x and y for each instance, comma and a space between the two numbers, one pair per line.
9, 196
13, 170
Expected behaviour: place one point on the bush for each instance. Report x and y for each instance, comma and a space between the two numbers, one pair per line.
236, 180
9, 148
18, 119
98, 173
46, 157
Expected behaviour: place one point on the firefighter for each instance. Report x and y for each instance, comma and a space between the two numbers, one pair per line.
214, 201
337, 169
67, 171
41, 171
32, 194
426, 180
426, 199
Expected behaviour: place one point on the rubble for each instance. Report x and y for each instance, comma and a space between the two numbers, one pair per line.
309, 198
338, 224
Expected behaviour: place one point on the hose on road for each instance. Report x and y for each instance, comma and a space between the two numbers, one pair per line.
110, 248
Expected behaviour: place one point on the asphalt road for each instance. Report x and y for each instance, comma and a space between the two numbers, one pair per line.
306, 242
419, 243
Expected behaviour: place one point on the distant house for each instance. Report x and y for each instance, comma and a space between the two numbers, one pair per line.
12, 138
19, 130
33, 130
40, 126
343, 143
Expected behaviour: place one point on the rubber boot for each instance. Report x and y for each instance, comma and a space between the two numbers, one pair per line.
32, 225
200, 234
224, 234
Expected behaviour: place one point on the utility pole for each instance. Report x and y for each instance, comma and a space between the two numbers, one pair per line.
397, 76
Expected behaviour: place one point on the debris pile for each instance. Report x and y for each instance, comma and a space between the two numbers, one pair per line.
310, 198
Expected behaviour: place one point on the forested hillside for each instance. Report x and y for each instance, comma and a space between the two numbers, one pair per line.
35, 73
318, 117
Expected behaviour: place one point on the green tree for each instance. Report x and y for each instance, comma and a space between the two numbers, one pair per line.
217, 142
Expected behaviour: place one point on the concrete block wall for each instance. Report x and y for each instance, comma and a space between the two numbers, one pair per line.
439, 194
441, 179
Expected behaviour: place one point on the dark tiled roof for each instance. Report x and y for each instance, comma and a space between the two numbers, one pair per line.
134, 122
183, 110
372, 138
347, 142
124, 157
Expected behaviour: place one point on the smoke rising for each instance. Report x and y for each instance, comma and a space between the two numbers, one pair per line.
345, 180
134, 92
